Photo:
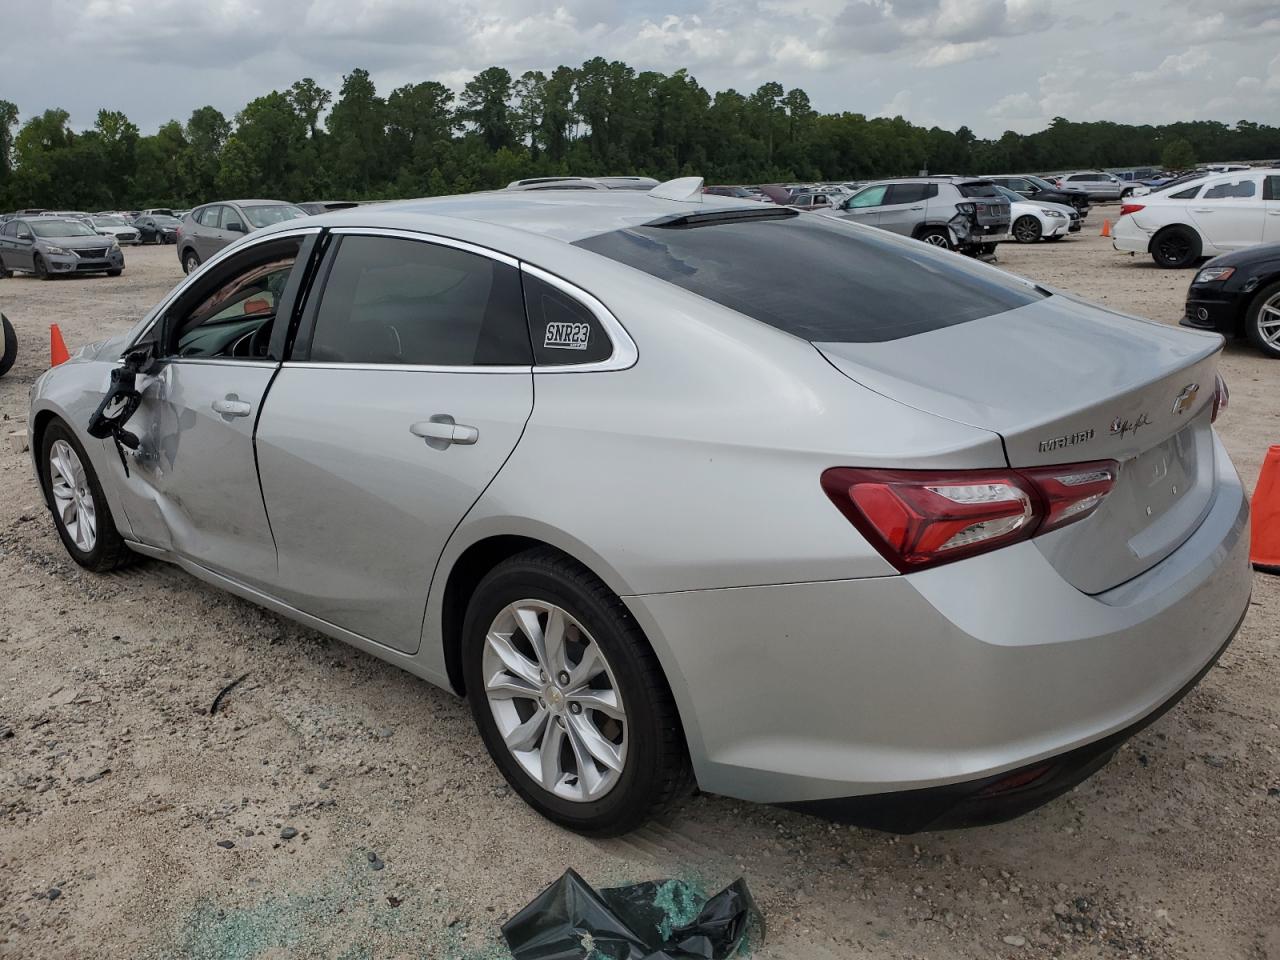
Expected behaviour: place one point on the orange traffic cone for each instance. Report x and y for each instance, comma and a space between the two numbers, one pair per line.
1264, 543
57, 349
1106, 228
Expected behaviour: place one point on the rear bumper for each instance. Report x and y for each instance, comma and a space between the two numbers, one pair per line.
823, 691
997, 798
1128, 237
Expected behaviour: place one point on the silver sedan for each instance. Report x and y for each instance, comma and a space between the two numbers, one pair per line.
682, 489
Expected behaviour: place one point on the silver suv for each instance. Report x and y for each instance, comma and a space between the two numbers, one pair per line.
1098, 185
959, 213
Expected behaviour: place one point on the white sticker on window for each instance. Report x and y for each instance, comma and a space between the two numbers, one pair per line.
567, 336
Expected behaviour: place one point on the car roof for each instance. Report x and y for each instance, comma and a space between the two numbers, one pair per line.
568, 215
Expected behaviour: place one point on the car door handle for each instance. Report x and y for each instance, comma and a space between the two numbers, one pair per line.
1202, 209
443, 430
915, 208
232, 406
1273, 213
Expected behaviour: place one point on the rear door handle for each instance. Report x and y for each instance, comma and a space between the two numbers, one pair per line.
232, 406
441, 430
1202, 210
915, 208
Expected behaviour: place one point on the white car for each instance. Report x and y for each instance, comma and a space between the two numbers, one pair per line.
1032, 222
1229, 211
118, 227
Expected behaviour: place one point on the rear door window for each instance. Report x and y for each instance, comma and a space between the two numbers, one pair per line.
910, 192
1271, 188
389, 300
818, 278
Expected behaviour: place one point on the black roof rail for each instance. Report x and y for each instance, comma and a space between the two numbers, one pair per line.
708, 218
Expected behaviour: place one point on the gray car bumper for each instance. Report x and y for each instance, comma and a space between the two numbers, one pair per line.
815, 691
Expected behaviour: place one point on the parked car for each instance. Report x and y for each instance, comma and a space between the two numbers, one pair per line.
46, 247
208, 229
1238, 295
958, 213
9, 350
118, 227
1097, 184
772, 393
1033, 222
157, 228
810, 200
156, 212
325, 206
1205, 218
1040, 190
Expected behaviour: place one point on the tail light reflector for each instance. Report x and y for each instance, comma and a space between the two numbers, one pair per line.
1131, 208
921, 518
1221, 396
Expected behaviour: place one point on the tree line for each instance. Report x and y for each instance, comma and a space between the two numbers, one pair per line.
601, 118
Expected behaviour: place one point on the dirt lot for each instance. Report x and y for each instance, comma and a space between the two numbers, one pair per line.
116, 786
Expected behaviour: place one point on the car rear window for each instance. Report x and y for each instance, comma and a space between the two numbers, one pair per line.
982, 189
818, 278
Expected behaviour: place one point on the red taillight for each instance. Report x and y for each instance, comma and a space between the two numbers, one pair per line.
1221, 396
921, 518
1130, 208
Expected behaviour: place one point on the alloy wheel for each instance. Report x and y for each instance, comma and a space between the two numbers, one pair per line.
72, 498
1174, 248
555, 701
937, 240
1269, 321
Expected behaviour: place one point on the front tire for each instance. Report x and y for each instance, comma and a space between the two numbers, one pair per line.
80, 511
39, 268
1027, 229
1262, 322
1176, 247
569, 698
114, 273
10, 352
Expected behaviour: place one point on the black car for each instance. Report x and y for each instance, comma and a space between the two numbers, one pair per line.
157, 228
1042, 191
1238, 295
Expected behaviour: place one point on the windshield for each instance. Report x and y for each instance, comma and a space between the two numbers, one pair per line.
264, 216
1042, 184
60, 228
817, 278
110, 222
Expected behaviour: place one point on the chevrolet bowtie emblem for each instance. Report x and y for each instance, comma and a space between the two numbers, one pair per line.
1184, 400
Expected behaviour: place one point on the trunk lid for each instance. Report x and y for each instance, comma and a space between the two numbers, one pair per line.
1062, 381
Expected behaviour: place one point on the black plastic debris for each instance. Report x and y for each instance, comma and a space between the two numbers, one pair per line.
656, 920
225, 690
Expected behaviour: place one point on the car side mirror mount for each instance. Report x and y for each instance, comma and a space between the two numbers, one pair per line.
24, 236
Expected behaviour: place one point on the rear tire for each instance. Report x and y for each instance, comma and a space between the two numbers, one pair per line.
1027, 229
654, 772
106, 549
936, 237
190, 261
1262, 321
10, 351
1176, 247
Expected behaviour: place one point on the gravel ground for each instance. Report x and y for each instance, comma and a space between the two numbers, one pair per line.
134, 824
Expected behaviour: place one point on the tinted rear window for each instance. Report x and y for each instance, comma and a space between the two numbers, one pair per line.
818, 278
983, 189
911, 192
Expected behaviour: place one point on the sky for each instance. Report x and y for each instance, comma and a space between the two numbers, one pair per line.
993, 65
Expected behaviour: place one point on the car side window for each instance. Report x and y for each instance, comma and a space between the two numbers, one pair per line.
1243, 188
563, 330
390, 300
910, 192
211, 216
1187, 194
11, 228
1271, 188
870, 197
230, 313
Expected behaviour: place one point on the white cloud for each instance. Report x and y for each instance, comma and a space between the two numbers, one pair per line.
948, 53
1174, 65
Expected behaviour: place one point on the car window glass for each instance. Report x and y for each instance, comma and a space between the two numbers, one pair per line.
211, 217
392, 300
1079, 176
818, 278
870, 197
233, 316
1271, 188
11, 228
1186, 194
979, 189
231, 217
263, 215
907, 192
563, 331
1231, 190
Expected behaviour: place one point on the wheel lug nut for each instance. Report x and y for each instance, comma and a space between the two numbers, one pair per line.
542, 675
575, 708
564, 677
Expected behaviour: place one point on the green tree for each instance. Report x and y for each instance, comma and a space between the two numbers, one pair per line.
357, 129
309, 100
486, 103
1178, 155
